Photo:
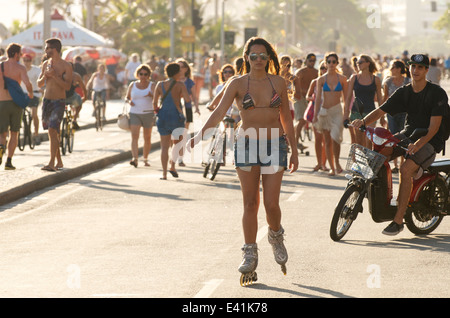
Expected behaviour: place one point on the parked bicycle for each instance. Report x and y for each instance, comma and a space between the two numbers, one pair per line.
217, 150
25, 135
67, 131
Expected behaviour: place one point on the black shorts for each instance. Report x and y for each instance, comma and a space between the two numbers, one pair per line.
188, 115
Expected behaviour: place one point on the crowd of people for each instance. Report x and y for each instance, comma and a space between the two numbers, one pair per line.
272, 97
322, 97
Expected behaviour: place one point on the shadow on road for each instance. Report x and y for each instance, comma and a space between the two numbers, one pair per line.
431, 242
307, 293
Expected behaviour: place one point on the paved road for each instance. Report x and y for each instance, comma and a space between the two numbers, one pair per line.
122, 232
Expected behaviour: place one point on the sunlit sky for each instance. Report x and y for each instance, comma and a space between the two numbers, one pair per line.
12, 10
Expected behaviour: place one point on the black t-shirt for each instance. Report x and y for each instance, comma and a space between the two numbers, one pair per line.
420, 107
80, 69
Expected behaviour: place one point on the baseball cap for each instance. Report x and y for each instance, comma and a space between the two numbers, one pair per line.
420, 59
27, 56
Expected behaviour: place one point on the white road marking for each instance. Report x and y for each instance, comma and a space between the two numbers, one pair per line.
262, 232
209, 288
294, 196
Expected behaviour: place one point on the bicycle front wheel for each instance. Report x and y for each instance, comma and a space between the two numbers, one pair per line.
98, 117
31, 140
217, 154
63, 142
22, 134
344, 214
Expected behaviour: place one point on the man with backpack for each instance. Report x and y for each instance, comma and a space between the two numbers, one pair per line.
426, 105
10, 111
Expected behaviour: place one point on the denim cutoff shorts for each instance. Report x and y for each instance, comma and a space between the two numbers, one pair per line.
250, 152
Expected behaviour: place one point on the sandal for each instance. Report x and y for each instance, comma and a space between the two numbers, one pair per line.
146, 164
134, 163
48, 168
173, 173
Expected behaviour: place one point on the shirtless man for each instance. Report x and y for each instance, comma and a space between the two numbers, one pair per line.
56, 75
10, 113
303, 78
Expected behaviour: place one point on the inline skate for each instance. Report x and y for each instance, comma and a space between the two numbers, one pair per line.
249, 264
279, 250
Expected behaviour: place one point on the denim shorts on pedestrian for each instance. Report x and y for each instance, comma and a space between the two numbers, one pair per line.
167, 126
250, 152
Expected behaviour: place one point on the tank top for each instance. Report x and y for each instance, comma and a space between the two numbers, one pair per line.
366, 93
142, 102
99, 84
392, 87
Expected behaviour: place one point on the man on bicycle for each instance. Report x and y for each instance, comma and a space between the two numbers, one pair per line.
33, 72
425, 104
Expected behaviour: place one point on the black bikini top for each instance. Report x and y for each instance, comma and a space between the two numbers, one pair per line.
248, 103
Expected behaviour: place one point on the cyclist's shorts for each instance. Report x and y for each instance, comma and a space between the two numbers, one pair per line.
423, 158
74, 100
270, 153
53, 113
34, 102
10, 116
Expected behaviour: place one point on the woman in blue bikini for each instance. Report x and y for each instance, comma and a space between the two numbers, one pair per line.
261, 143
328, 118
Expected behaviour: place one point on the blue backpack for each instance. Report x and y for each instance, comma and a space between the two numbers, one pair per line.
19, 97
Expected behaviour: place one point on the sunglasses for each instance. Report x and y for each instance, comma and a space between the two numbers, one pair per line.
228, 72
331, 62
143, 74
263, 56
361, 62
27, 60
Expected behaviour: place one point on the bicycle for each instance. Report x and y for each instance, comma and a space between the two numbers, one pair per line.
25, 135
306, 132
99, 108
67, 131
218, 148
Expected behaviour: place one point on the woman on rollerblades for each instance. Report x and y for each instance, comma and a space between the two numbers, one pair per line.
261, 146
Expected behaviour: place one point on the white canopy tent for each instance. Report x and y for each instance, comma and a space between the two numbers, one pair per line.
70, 34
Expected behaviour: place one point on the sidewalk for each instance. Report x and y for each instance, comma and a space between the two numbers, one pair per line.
92, 151
110, 146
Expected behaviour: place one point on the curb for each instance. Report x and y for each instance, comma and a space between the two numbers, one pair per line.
65, 175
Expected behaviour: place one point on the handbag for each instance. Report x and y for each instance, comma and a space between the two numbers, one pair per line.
309, 113
123, 120
19, 97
